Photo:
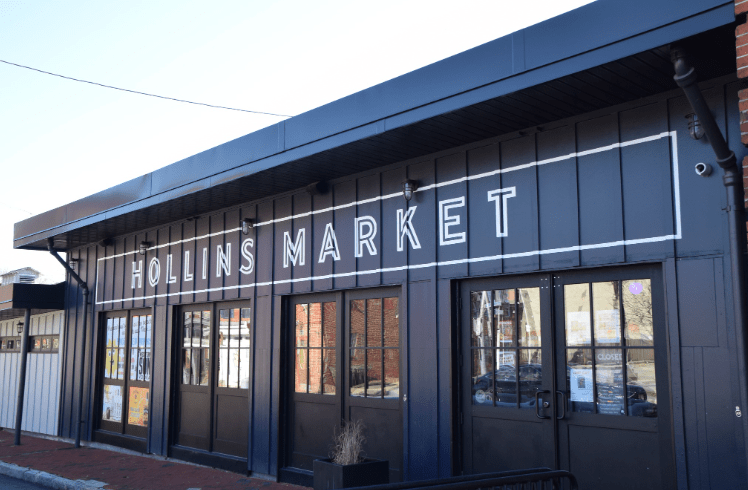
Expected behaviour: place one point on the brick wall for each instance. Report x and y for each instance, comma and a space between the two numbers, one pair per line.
741, 48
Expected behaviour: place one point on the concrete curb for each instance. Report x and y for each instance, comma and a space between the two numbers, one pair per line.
46, 479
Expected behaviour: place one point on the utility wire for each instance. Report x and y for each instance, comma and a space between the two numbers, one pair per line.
141, 93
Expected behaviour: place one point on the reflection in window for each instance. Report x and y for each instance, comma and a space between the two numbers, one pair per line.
375, 348
196, 348
506, 335
596, 373
234, 335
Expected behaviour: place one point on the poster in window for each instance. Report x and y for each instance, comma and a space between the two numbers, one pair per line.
112, 406
580, 380
138, 407
607, 327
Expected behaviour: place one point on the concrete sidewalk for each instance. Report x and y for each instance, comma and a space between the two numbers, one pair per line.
57, 464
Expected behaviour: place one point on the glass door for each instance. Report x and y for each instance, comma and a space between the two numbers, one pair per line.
126, 369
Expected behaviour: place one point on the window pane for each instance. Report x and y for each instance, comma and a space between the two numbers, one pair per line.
315, 370
300, 371
482, 371
45, 343
605, 296
233, 368
358, 321
391, 373
245, 324
204, 366
577, 314
149, 330
244, 368
197, 328
315, 324
301, 326
640, 383
109, 342
609, 381
147, 365
329, 370
223, 330
530, 376
480, 320
112, 406
579, 380
195, 380
121, 363
37, 343
374, 323
142, 333
137, 407
374, 372
187, 328
391, 322
505, 312
133, 363
330, 325
56, 343
223, 367
357, 372
529, 317
506, 377
637, 310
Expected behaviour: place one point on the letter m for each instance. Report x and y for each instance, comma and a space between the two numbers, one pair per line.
294, 251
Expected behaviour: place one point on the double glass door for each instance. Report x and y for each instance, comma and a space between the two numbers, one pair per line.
343, 365
214, 377
568, 371
125, 371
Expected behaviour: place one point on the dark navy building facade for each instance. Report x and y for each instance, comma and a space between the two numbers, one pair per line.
503, 260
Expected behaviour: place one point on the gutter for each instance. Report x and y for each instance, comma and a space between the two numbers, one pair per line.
82, 379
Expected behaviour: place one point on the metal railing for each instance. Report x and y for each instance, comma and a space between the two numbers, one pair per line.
527, 479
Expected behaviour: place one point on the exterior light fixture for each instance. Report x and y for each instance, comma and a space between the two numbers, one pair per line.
694, 126
73, 263
143, 247
247, 224
409, 187
19, 327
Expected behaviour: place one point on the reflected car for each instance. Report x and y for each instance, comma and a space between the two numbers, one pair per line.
531, 379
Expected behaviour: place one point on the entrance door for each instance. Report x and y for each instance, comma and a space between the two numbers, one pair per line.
568, 371
344, 357
126, 377
214, 375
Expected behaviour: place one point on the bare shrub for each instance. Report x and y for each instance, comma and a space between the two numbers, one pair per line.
349, 444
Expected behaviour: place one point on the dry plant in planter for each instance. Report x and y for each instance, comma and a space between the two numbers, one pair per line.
349, 444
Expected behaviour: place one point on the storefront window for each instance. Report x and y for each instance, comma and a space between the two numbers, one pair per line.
315, 334
375, 348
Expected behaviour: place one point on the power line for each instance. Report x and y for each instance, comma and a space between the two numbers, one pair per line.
141, 93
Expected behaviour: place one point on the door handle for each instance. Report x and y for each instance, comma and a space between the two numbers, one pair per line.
563, 404
537, 404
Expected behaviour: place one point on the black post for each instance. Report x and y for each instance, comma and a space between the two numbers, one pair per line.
82, 378
22, 374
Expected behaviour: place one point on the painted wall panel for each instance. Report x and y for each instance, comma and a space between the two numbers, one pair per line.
42, 389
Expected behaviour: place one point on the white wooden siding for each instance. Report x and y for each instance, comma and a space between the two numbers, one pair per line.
41, 404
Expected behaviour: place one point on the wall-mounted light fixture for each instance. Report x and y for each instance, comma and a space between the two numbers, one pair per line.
19, 327
143, 247
73, 263
409, 187
694, 126
247, 224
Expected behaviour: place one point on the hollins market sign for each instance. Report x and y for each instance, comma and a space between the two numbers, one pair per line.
411, 225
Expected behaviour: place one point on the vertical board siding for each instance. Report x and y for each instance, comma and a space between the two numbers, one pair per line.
41, 399
559, 205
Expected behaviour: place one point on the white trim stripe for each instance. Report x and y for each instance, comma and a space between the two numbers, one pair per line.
676, 236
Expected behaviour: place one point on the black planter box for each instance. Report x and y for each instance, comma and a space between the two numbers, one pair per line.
328, 475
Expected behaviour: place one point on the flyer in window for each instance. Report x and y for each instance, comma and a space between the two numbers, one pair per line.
112, 407
580, 380
138, 407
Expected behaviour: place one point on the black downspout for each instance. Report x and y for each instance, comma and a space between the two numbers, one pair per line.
22, 375
82, 378
685, 77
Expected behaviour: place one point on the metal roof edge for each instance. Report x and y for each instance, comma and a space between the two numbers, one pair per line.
269, 147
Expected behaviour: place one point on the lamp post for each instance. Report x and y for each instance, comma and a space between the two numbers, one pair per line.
23, 330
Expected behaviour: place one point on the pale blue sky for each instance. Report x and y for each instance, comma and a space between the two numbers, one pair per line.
62, 140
